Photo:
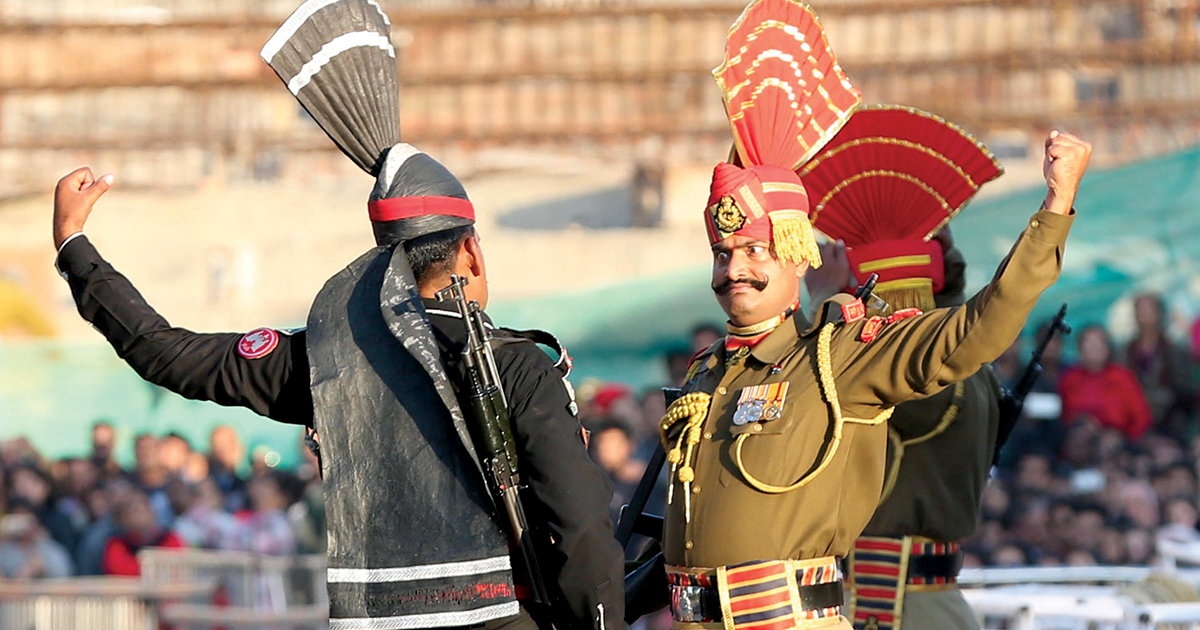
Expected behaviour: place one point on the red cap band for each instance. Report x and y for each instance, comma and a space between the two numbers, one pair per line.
409, 207
756, 192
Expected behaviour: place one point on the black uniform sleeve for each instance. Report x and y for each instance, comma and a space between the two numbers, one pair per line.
193, 365
573, 492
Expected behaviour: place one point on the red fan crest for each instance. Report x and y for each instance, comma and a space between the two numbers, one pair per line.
784, 91
894, 173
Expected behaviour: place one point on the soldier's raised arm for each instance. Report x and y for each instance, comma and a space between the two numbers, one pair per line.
916, 356
264, 370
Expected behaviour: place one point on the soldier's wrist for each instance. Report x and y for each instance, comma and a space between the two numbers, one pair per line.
1058, 204
64, 233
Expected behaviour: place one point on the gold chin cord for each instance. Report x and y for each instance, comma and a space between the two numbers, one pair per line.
692, 410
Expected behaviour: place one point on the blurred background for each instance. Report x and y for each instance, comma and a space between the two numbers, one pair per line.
585, 132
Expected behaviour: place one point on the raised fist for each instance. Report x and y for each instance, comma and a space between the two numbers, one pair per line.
73, 200
1065, 163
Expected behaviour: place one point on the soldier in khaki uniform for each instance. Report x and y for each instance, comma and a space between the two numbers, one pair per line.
777, 447
902, 571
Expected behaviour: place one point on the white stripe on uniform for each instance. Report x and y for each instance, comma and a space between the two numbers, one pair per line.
431, 620
455, 315
422, 572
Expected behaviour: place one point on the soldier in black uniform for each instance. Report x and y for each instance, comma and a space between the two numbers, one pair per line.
410, 543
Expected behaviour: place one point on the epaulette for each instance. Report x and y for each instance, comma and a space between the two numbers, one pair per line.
700, 360
562, 360
839, 309
875, 324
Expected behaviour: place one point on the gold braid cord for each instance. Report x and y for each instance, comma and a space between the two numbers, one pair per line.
692, 410
899, 445
825, 373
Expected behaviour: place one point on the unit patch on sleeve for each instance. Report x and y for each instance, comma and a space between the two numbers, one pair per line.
904, 313
257, 344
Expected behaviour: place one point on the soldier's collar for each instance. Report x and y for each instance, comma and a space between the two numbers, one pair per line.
434, 308
775, 347
777, 344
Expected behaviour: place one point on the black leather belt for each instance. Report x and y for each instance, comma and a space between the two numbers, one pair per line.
928, 562
932, 567
700, 603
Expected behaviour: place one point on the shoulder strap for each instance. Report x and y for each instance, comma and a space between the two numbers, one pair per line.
699, 364
562, 360
562, 363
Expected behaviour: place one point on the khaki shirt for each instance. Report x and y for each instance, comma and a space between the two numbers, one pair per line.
732, 522
938, 478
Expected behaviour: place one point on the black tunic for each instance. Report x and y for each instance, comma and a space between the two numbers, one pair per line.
572, 493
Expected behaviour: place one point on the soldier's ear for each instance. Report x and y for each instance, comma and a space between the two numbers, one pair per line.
470, 255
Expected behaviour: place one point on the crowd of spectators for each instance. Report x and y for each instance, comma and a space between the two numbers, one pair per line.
1102, 466
90, 516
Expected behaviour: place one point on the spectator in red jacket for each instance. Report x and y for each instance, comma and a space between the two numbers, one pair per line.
137, 528
1100, 388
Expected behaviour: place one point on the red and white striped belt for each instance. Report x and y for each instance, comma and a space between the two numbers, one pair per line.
881, 570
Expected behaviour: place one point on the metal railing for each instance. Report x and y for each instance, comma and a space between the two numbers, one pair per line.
109, 603
1091, 597
245, 580
180, 589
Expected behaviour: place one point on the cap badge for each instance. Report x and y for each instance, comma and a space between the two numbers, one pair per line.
728, 217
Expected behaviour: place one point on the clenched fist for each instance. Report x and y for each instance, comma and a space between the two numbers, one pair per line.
1065, 163
73, 200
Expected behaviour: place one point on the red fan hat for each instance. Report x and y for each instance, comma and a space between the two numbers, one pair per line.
786, 97
886, 185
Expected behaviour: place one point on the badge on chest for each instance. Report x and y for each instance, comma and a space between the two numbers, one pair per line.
760, 403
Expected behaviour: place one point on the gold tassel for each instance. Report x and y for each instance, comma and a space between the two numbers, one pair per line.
692, 409
914, 297
793, 237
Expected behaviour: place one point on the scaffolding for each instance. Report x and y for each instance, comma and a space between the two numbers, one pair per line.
178, 86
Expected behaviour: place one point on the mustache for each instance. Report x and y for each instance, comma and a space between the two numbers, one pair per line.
727, 286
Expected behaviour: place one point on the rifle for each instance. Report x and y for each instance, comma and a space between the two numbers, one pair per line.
492, 431
639, 596
1013, 401
866, 293
633, 518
